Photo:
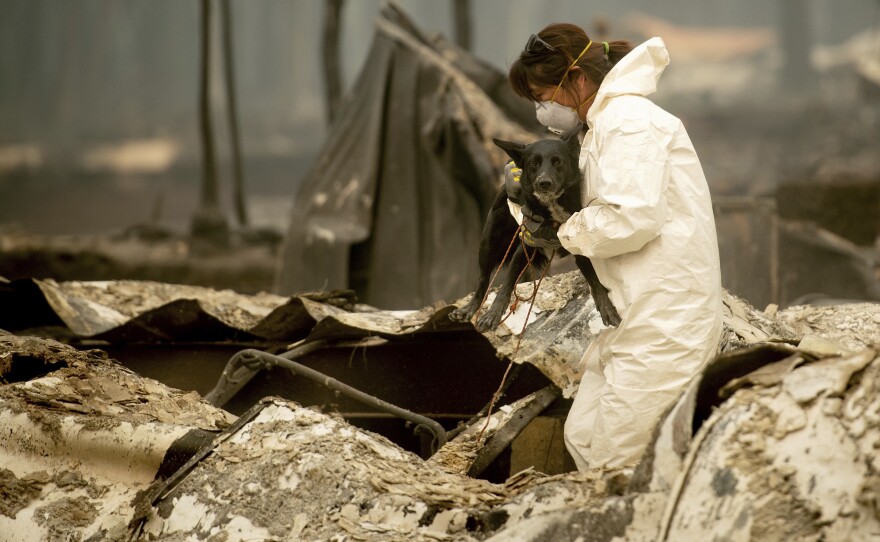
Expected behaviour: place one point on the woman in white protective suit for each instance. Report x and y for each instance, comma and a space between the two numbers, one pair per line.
647, 225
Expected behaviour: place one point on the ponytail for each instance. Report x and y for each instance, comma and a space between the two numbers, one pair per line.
618, 49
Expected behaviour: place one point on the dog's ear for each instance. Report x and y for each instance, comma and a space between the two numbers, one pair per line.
513, 150
570, 138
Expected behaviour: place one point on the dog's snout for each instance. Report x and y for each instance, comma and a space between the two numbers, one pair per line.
544, 183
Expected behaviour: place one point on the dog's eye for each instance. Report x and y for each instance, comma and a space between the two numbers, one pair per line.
556, 161
536, 162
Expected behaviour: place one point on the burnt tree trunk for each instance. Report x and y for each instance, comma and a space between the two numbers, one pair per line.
330, 54
232, 110
208, 222
463, 23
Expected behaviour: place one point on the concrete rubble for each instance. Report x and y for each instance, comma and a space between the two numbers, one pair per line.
776, 441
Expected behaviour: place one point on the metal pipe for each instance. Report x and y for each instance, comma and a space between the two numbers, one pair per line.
242, 367
246, 363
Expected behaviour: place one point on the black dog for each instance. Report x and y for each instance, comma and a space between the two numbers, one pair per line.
550, 192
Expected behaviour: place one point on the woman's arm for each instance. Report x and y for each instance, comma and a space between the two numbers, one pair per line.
632, 176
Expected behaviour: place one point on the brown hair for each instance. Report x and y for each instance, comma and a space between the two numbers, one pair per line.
546, 68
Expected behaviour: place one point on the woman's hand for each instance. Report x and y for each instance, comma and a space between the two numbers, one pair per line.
539, 233
544, 237
511, 181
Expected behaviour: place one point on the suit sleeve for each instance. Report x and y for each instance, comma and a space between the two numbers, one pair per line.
515, 211
631, 180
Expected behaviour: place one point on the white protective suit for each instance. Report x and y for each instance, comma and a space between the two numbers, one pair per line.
649, 230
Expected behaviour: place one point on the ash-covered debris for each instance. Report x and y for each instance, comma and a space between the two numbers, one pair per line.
852, 326
795, 461
63, 380
459, 455
82, 436
294, 474
562, 322
290, 473
744, 325
16, 493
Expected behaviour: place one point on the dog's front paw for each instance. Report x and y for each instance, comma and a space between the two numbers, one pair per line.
462, 314
489, 319
608, 313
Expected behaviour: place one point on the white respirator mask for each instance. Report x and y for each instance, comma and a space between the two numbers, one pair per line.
556, 117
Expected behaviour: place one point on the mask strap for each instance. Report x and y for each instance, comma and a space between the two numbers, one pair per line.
588, 99
573, 64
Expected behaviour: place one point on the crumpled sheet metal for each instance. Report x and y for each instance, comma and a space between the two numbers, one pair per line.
291, 473
82, 440
561, 324
134, 311
443, 175
644, 510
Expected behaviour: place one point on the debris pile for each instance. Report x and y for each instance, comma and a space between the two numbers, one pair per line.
82, 436
91, 449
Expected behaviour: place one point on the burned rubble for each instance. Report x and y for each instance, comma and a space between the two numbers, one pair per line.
99, 451
83, 436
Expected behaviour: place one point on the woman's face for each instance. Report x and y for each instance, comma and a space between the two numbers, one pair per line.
565, 97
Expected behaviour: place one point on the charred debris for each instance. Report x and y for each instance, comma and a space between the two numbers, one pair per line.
96, 449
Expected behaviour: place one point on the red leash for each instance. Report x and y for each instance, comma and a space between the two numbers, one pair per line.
522, 331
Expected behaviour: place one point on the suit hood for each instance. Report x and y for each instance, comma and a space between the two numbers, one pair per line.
637, 73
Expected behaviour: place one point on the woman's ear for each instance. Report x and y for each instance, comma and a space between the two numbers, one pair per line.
579, 78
